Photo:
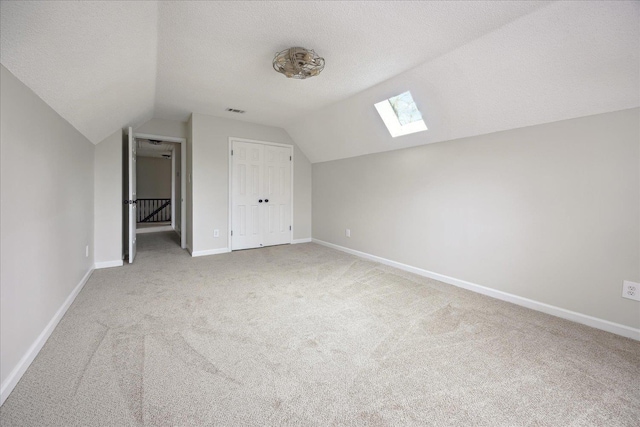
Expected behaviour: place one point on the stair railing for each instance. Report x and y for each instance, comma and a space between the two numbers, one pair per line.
154, 210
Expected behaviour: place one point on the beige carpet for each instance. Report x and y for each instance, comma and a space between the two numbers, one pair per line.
304, 335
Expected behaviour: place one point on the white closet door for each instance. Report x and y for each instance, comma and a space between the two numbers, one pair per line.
277, 195
247, 188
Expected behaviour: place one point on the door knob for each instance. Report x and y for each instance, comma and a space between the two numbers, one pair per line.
266, 200
260, 201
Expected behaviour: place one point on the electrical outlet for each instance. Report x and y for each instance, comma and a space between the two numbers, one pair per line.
631, 290
86, 251
216, 233
347, 232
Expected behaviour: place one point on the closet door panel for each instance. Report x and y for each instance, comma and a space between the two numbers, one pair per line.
278, 194
246, 192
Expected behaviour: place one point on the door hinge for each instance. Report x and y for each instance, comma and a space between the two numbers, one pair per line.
289, 158
232, 152
232, 232
289, 228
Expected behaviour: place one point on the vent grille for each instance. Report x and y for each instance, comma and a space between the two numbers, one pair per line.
235, 110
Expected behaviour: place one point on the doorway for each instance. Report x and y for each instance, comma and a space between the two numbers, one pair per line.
155, 179
261, 194
154, 188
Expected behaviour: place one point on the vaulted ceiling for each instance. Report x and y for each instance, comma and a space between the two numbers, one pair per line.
473, 67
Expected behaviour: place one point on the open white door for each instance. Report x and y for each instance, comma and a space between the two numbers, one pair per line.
132, 196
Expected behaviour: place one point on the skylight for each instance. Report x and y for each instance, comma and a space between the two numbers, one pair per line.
401, 115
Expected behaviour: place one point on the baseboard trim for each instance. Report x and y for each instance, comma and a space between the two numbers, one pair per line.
108, 264
296, 241
594, 322
154, 229
10, 382
210, 252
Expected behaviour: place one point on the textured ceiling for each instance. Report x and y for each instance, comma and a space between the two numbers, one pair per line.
567, 60
107, 65
214, 55
92, 62
473, 66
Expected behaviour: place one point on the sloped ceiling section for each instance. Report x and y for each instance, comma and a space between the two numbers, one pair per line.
104, 65
567, 60
473, 66
92, 62
214, 55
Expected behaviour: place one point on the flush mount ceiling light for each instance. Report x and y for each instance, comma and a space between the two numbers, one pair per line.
298, 63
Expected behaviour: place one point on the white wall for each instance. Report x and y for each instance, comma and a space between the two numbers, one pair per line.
549, 212
209, 155
108, 200
163, 127
153, 178
46, 214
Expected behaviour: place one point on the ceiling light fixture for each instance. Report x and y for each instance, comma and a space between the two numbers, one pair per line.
298, 63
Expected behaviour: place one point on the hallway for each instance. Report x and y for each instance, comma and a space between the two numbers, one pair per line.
154, 244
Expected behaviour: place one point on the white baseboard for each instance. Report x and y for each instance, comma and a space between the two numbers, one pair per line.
10, 382
154, 229
107, 264
296, 241
209, 252
594, 322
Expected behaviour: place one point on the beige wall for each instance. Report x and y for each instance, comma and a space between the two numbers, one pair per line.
209, 155
108, 199
46, 216
548, 212
153, 178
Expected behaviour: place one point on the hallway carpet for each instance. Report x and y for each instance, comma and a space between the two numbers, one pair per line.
304, 335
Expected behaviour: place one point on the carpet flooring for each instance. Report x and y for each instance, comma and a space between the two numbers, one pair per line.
303, 335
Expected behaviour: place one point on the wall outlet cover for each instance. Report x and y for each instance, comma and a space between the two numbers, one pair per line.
347, 232
216, 233
631, 290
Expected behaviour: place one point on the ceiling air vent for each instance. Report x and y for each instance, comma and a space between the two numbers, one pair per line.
233, 110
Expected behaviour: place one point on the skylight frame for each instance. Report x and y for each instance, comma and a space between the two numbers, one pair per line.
392, 122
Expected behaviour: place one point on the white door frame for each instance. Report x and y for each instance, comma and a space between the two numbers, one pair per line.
230, 201
183, 182
173, 190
